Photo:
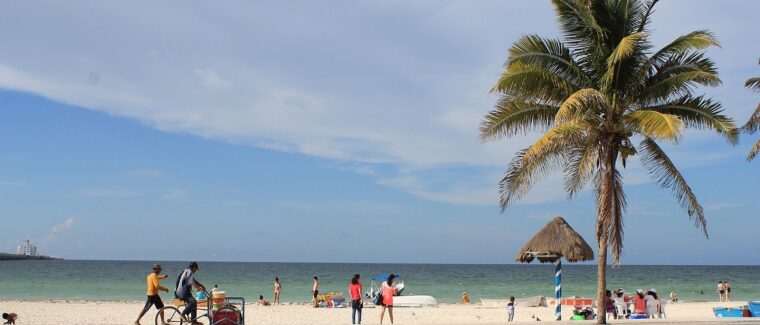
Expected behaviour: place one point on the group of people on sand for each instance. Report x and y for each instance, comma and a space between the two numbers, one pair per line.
619, 305
724, 291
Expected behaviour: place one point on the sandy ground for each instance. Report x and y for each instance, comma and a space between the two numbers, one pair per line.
101, 313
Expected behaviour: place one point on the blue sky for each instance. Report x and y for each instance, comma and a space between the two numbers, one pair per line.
304, 131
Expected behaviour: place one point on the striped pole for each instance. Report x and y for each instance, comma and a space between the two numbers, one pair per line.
558, 290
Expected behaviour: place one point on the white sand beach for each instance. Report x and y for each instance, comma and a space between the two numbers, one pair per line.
102, 313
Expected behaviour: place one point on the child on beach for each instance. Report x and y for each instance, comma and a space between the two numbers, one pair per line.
263, 302
10, 318
511, 309
465, 298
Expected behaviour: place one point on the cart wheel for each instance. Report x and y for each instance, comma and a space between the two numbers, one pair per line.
172, 316
227, 316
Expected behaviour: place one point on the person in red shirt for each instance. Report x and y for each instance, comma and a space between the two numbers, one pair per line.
639, 302
355, 292
389, 290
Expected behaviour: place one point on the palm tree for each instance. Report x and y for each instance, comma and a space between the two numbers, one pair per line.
592, 94
753, 125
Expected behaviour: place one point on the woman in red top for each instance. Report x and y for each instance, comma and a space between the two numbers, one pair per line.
355, 292
639, 302
389, 290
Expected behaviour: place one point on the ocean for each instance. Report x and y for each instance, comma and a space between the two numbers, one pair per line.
125, 280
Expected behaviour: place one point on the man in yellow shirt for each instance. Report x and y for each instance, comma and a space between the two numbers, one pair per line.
153, 287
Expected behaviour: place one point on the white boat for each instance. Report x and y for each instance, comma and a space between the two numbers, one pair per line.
415, 301
399, 300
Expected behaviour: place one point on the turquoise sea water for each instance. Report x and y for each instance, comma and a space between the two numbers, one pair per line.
125, 280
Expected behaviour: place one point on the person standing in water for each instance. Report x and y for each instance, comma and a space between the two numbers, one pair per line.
355, 293
727, 287
315, 290
277, 288
389, 290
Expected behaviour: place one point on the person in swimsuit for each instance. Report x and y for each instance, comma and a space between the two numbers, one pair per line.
721, 291
389, 290
277, 288
263, 302
154, 286
315, 290
727, 287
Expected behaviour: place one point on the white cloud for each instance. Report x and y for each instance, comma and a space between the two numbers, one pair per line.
58, 230
145, 173
211, 80
407, 98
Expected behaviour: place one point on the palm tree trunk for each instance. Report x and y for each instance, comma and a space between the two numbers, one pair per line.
607, 209
601, 279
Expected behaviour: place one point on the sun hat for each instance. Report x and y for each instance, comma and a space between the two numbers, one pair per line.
653, 290
639, 290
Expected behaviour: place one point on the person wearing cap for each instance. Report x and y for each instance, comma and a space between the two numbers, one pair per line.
621, 303
639, 302
154, 286
185, 293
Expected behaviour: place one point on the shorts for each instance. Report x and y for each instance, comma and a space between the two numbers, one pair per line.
728, 290
154, 300
721, 291
384, 305
316, 293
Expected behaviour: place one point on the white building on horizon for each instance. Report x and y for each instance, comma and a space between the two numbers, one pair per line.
26, 248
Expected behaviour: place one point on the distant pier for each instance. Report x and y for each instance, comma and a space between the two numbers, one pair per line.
17, 257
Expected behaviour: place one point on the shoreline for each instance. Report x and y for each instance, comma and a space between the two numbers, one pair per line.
125, 312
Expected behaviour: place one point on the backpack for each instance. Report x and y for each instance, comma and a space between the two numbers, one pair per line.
176, 285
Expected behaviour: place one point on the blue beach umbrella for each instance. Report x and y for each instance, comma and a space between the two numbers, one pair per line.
553, 242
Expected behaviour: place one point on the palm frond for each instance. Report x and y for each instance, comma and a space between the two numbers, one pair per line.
655, 125
644, 20
513, 116
610, 205
536, 162
533, 82
701, 113
578, 23
677, 77
625, 48
548, 53
753, 83
580, 167
667, 176
587, 103
696, 40
753, 124
753, 152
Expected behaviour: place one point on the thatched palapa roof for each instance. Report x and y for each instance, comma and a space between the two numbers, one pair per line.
557, 239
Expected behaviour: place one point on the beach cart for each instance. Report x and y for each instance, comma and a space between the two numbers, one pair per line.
215, 309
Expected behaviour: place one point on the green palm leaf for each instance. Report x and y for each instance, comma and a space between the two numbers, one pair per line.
514, 116
700, 113
667, 175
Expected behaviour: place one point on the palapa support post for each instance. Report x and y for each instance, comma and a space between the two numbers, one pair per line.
558, 290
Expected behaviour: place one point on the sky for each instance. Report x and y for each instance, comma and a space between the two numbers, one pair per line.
341, 131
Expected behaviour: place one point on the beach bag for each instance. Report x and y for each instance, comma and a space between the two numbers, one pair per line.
378, 299
176, 285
